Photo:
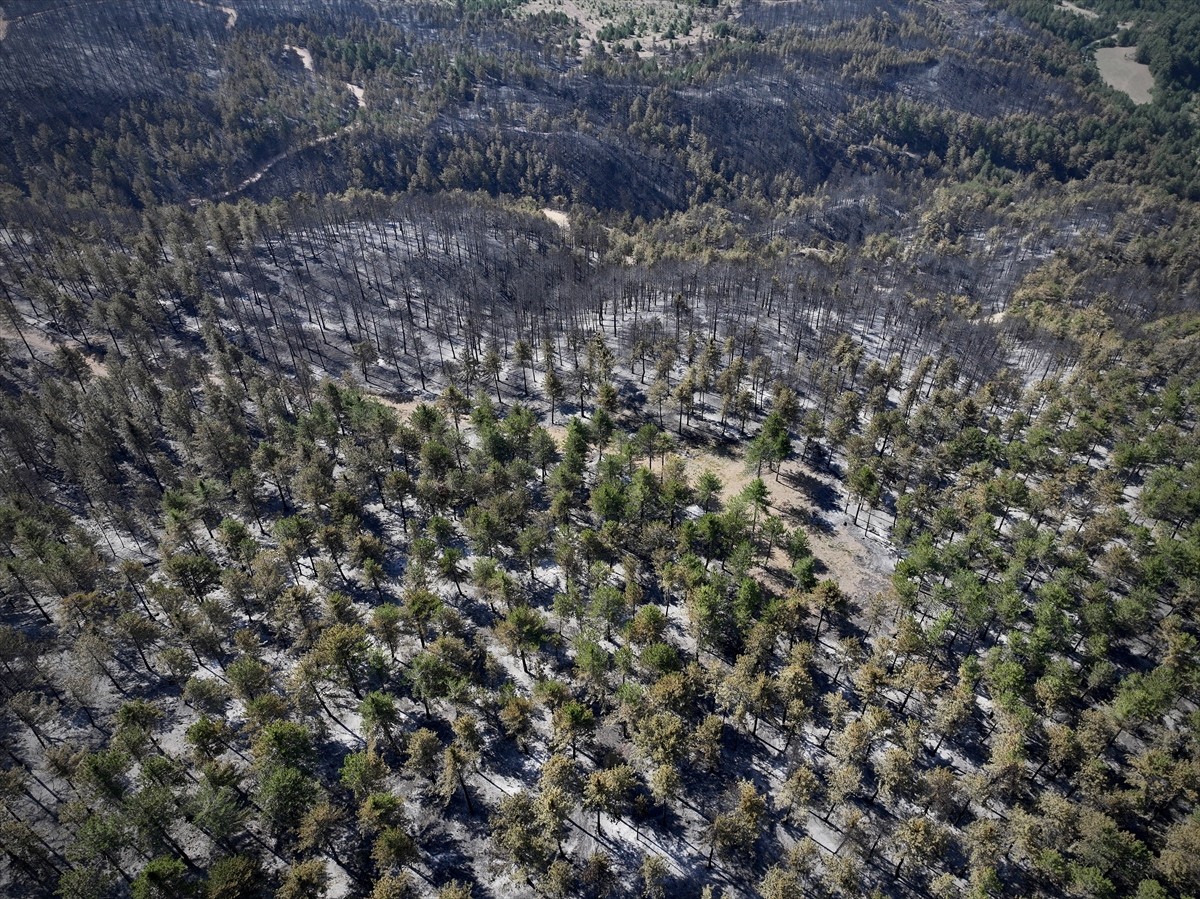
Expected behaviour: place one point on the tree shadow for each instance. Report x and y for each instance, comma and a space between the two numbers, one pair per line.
723, 446
447, 858
822, 495
504, 757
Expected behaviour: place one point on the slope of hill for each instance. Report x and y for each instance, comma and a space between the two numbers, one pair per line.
536, 449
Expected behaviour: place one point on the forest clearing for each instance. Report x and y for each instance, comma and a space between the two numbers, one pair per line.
1120, 69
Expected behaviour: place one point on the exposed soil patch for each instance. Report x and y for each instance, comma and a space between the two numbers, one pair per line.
305, 56
860, 566
39, 342
1120, 69
559, 218
404, 408
1078, 10
654, 22
230, 13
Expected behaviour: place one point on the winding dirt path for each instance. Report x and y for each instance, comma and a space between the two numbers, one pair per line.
36, 340
1118, 65
275, 160
230, 13
1079, 10
17, 20
306, 60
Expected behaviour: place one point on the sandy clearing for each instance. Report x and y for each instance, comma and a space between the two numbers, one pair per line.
304, 54
860, 567
1078, 10
591, 16
405, 409
588, 23
306, 59
1119, 68
230, 12
559, 218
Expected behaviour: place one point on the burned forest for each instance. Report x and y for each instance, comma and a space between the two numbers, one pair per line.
565, 448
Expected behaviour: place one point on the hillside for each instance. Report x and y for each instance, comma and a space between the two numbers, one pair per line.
597, 449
